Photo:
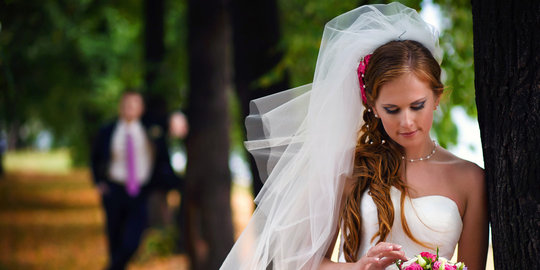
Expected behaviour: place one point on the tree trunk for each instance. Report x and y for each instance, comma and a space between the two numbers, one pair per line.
507, 70
154, 52
256, 36
207, 175
156, 105
154, 45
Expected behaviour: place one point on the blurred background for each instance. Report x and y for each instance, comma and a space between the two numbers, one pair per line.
64, 65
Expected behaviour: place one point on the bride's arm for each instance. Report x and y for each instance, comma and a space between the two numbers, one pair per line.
380, 256
473, 244
327, 263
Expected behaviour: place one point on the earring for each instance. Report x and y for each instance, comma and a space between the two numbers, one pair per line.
376, 116
383, 141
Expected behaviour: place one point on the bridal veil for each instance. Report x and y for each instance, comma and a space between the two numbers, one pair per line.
303, 140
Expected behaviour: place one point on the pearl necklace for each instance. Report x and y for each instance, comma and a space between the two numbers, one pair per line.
426, 157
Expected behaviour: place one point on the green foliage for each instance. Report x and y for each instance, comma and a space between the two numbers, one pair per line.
159, 242
458, 76
172, 82
302, 24
237, 131
64, 64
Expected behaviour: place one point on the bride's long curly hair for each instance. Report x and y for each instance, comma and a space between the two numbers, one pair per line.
378, 166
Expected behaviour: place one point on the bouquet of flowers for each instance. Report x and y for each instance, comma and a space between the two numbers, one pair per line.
427, 260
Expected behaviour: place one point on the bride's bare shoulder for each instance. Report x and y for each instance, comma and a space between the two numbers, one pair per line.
462, 172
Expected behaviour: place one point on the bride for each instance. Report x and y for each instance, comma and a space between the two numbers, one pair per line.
352, 153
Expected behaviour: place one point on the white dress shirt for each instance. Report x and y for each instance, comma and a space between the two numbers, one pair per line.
141, 149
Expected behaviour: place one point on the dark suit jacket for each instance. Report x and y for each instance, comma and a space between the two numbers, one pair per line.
162, 175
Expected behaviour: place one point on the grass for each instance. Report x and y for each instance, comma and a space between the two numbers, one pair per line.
50, 222
55, 162
51, 218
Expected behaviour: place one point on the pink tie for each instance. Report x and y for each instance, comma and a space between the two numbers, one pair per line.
132, 185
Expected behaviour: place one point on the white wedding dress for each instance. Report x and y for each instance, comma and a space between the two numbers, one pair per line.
434, 220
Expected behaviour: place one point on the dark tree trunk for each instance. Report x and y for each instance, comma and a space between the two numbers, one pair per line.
507, 80
256, 36
154, 52
156, 105
154, 46
14, 140
208, 177
7, 108
3, 148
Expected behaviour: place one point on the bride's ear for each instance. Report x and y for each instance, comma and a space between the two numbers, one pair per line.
436, 103
375, 112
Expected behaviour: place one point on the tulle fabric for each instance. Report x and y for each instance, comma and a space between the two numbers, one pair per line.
303, 140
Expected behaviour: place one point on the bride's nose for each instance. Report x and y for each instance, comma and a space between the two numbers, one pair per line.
407, 119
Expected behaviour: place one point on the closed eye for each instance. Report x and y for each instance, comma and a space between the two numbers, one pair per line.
414, 106
419, 106
391, 111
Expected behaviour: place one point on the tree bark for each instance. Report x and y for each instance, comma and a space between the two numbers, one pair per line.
256, 35
154, 52
156, 105
507, 81
154, 44
207, 174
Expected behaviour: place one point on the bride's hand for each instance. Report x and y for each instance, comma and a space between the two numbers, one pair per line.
380, 256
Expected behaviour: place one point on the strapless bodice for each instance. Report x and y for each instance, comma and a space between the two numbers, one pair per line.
434, 220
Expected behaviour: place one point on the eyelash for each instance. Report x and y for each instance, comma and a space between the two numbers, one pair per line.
414, 108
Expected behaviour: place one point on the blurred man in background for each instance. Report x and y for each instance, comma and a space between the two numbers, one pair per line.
129, 158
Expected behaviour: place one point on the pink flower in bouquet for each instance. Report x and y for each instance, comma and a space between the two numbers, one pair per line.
437, 265
414, 266
429, 261
429, 256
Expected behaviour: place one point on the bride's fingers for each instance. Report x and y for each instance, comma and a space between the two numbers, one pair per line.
366, 263
391, 257
381, 261
382, 247
387, 258
396, 254
385, 254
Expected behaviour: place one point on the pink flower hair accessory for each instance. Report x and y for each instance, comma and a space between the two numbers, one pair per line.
362, 66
